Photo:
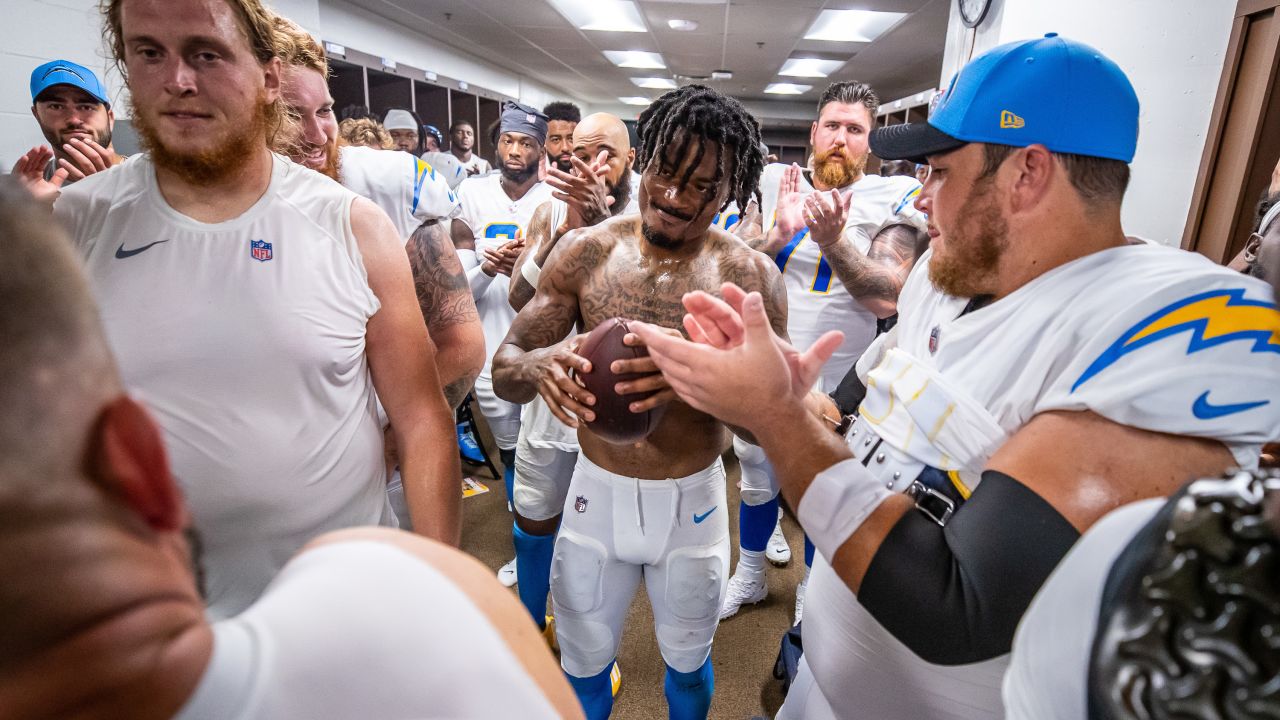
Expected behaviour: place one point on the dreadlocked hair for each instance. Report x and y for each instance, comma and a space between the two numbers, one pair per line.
705, 115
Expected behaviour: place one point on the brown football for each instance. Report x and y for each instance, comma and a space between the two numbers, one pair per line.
614, 420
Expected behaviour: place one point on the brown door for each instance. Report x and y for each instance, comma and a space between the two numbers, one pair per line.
1243, 141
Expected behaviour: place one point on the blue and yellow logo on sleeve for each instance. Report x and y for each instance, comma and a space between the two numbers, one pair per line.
1210, 319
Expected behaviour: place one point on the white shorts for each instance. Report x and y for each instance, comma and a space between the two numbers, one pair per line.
502, 417
674, 533
542, 482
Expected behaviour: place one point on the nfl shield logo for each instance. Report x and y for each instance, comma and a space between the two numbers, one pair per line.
260, 250
580, 504
933, 339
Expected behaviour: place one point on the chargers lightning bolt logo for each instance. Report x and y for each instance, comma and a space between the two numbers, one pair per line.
1210, 319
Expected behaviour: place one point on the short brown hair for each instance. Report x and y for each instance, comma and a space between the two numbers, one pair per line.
296, 47
851, 92
1097, 180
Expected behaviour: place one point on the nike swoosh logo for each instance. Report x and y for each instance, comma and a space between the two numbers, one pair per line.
121, 253
1206, 410
697, 519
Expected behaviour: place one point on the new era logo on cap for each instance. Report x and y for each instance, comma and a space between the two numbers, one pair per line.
530, 118
1009, 120
1070, 99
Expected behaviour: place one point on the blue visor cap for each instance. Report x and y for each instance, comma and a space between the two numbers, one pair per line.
65, 72
1051, 91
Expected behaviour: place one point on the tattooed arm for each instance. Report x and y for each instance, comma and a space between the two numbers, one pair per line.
535, 358
445, 300
541, 240
875, 279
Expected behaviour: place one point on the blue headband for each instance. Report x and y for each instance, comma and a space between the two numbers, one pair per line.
524, 119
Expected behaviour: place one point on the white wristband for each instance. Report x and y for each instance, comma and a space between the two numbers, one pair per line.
836, 504
531, 271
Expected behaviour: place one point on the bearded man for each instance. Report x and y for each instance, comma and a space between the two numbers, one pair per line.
255, 304
821, 228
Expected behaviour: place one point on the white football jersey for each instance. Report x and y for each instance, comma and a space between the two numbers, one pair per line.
1149, 337
246, 339
494, 218
407, 188
817, 301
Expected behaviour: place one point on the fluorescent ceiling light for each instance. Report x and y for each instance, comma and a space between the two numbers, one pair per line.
682, 25
635, 59
604, 15
636, 100
809, 67
787, 89
851, 25
655, 83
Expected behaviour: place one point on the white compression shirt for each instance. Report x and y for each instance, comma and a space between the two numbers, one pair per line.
362, 629
246, 339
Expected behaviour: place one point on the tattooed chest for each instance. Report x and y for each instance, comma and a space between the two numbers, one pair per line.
651, 294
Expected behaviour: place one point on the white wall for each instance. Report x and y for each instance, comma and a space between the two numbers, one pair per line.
36, 31
1172, 51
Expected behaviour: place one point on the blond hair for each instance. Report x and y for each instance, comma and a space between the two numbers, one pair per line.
364, 131
295, 47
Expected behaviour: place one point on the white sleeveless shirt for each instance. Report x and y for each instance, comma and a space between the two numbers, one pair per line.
246, 339
817, 301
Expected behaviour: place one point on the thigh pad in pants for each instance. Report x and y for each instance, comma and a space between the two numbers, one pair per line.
588, 628
693, 585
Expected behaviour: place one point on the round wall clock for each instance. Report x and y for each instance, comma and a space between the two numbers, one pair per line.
972, 12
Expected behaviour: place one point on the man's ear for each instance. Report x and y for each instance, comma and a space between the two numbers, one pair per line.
271, 78
127, 458
1035, 166
1251, 248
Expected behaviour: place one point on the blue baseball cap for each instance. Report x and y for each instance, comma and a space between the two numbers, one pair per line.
65, 72
1050, 91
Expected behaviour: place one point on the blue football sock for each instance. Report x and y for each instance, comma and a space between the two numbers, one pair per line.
533, 567
808, 552
689, 694
756, 523
595, 693
508, 458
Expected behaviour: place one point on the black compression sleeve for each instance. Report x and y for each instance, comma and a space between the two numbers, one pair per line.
954, 595
849, 393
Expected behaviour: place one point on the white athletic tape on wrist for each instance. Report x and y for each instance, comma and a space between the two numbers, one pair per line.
836, 504
468, 258
531, 271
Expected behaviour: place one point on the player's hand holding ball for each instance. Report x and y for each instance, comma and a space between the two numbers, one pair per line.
631, 393
565, 395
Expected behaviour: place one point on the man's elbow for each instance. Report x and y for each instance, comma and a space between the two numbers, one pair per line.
881, 307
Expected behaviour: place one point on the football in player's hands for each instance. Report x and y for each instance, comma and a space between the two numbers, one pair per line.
614, 421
